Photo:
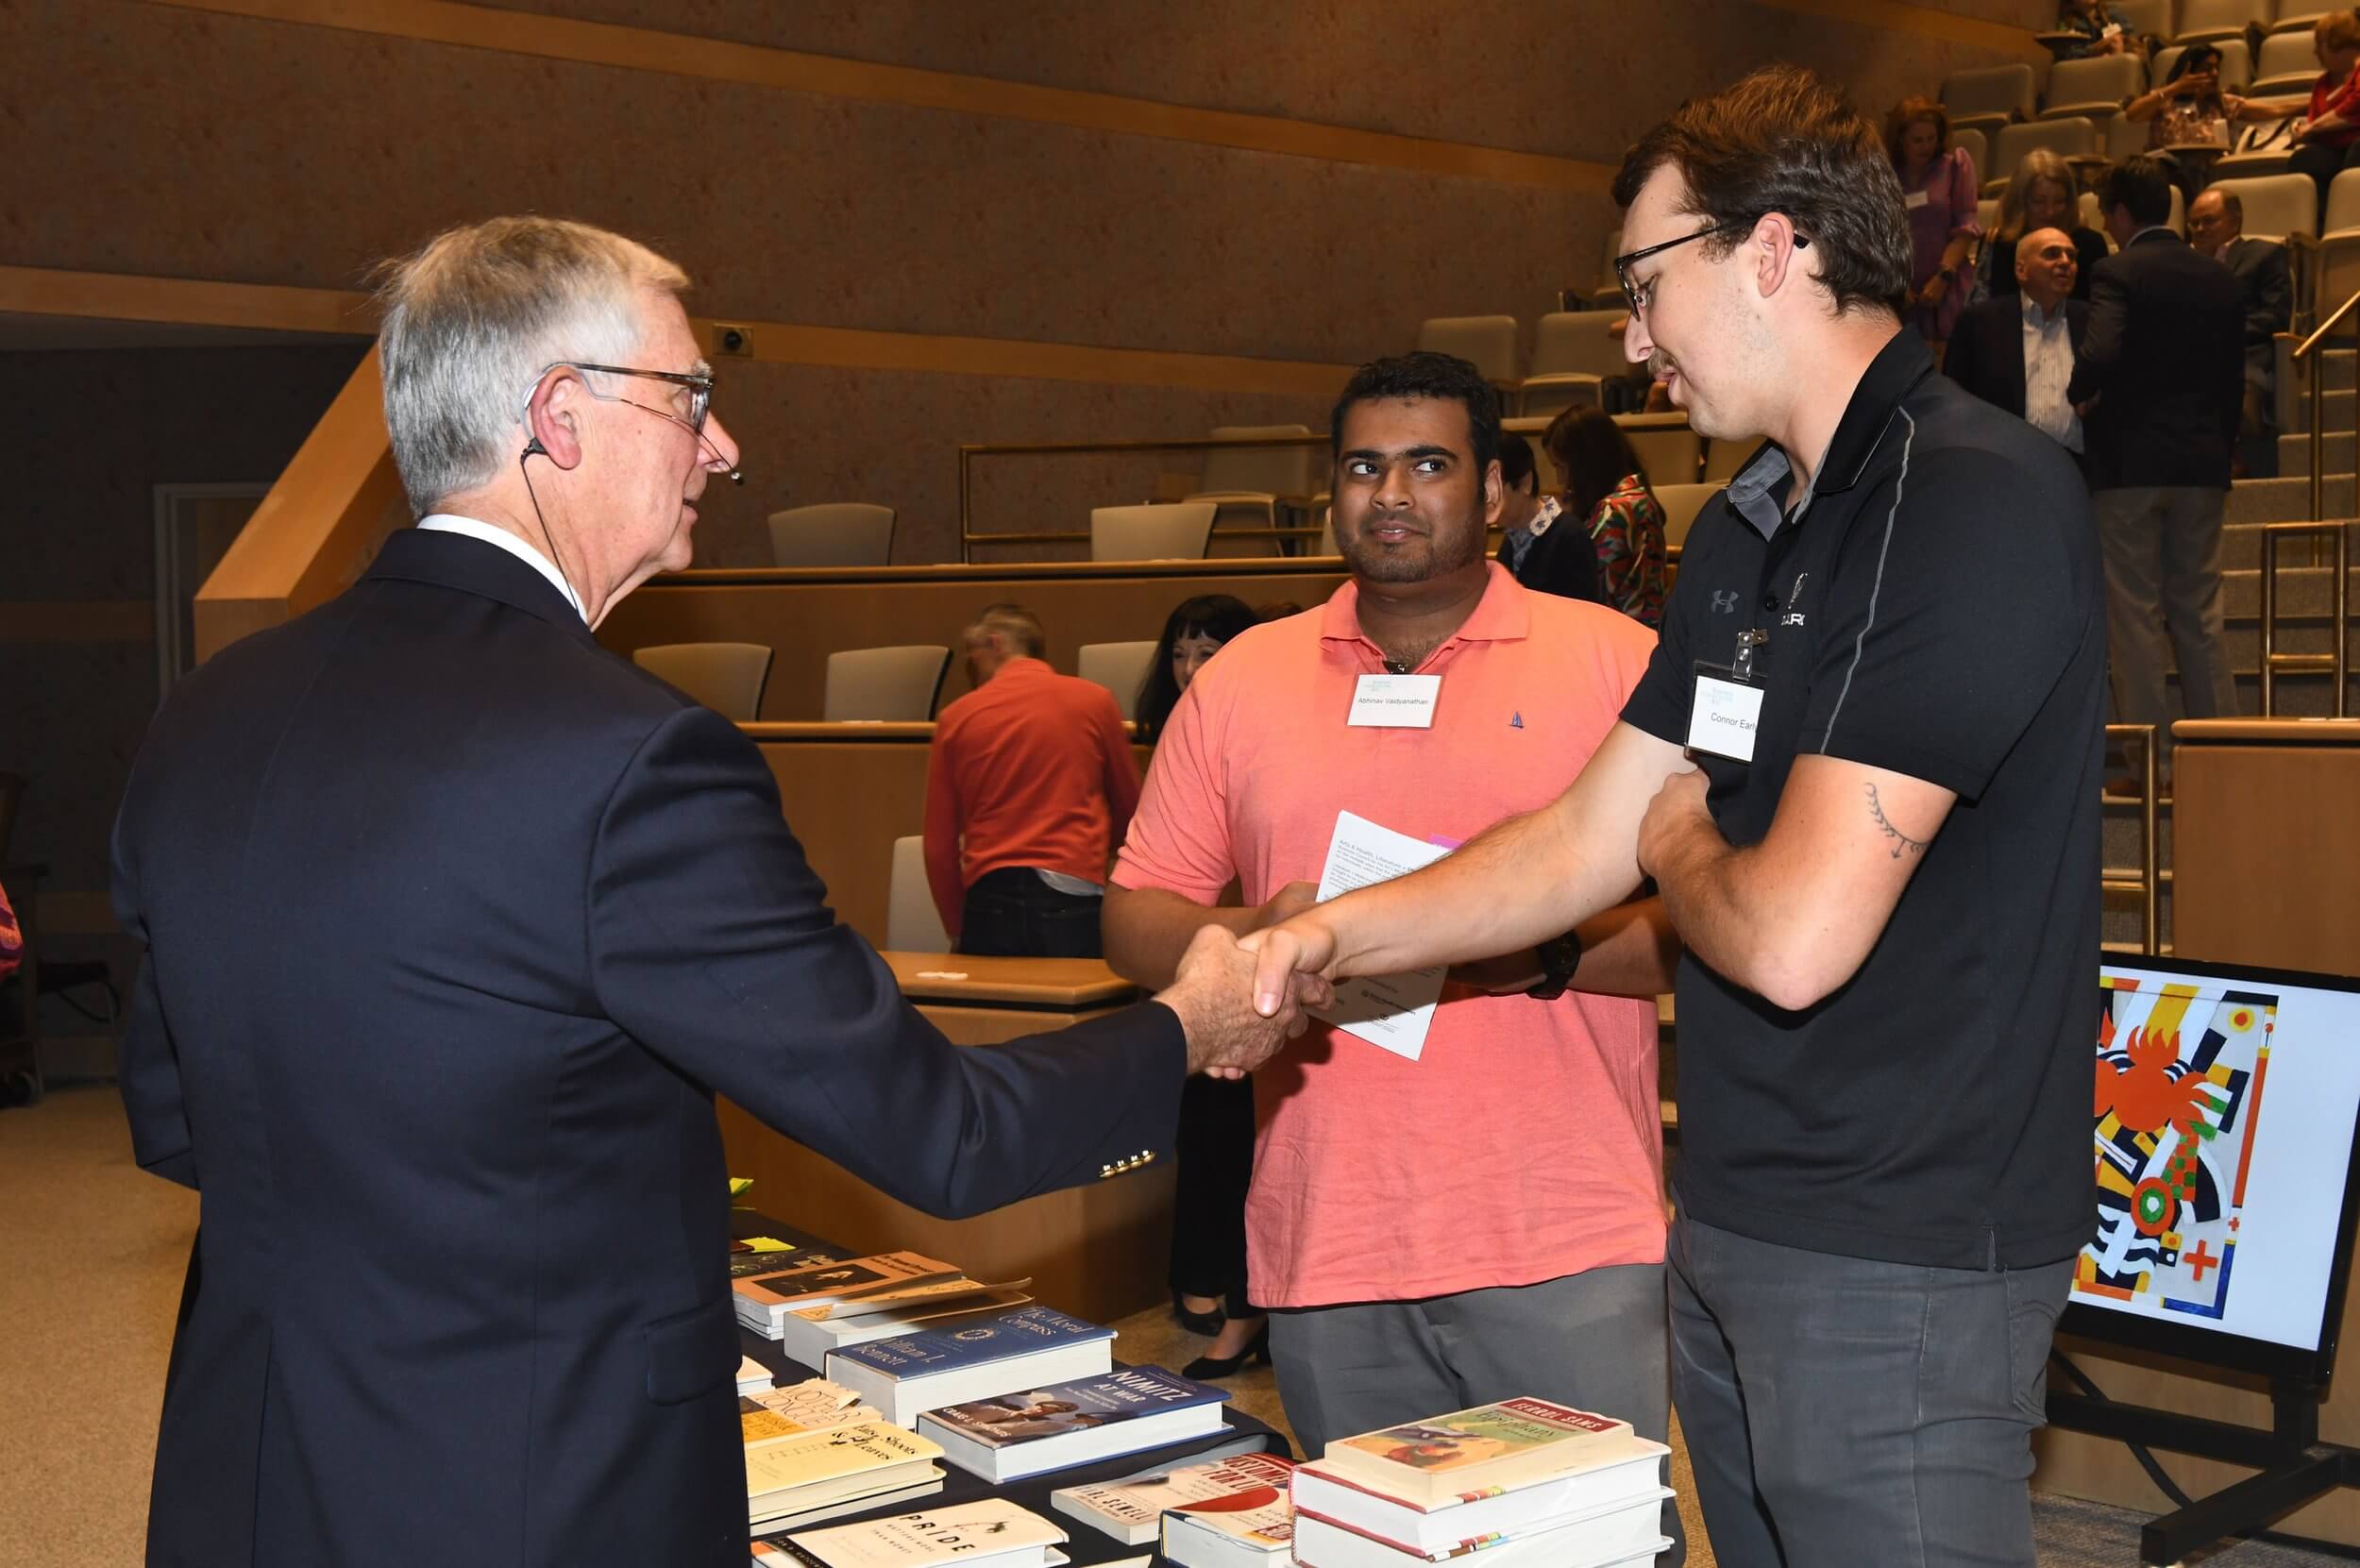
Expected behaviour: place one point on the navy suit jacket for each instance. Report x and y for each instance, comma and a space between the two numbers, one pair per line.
455, 925
2165, 357
1986, 352
1562, 561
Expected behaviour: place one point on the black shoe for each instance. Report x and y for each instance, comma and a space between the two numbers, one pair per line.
1206, 1323
1206, 1367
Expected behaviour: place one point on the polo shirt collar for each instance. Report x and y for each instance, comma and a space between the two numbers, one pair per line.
1900, 365
1503, 613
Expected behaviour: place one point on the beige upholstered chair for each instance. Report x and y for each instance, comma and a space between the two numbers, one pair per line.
1573, 352
2094, 88
2211, 21
1669, 448
1176, 530
2279, 205
1989, 99
1248, 485
1120, 668
840, 533
726, 676
912, 924
889, 684
1489, 342
1681, 502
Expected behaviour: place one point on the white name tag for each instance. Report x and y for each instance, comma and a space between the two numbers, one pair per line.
1395, 701
1914, 200
1722, 717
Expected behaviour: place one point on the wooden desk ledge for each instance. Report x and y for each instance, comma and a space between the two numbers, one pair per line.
1030, 982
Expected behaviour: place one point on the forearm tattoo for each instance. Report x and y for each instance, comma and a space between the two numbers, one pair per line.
1900, 840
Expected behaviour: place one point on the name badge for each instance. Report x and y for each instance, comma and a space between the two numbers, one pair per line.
1395, 701
1914, 200
1723, 714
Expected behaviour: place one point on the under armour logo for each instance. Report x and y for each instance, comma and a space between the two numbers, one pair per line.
1724, 601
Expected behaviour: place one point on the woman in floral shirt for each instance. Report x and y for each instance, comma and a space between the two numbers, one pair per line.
1607, 489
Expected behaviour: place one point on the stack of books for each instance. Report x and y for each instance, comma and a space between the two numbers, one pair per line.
806, 1476
1524, 1481
905, 1376
1246, 1520
988, 1534
808, 1407
762, 1299
1058, 1425
1132, 1509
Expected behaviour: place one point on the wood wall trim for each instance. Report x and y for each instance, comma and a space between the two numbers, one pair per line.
1901, 16
910, 86
191, 302
84, 620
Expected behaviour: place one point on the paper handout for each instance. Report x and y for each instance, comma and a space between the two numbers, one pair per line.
1390, 1011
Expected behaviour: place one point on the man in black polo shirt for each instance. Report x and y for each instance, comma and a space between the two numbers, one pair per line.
1884, 658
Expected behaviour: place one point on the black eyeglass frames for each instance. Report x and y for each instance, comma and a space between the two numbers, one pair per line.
1636, 295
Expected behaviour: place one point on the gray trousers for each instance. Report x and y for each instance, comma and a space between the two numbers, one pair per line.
1839, 1411
1594, 1341
2162, 549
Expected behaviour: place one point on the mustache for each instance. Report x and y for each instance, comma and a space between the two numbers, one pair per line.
1661, 365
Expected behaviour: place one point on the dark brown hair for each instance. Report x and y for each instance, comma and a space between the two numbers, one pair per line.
1593, 454
1782, 141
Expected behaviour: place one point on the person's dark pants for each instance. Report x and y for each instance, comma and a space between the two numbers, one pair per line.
1214, 1151
1011, 913
2323, 164
1839, 1409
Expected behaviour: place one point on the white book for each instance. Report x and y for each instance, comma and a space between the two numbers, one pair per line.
752, 1377
991, 1533
1131, 1509
1600, 1536
795, 1518
808, 1339
1629, 1468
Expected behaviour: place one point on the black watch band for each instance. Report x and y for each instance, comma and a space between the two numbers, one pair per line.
1560, 957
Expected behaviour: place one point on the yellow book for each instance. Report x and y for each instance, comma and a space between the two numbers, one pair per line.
806, 1469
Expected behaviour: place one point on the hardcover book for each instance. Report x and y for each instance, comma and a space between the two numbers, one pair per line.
1014, 1435
761, 1299
1472, 1453
1132, 1510
908, 1373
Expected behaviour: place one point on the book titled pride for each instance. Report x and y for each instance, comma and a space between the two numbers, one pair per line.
992, 1533
1061, 1424
907, 1374
1522, 1481
835, 1471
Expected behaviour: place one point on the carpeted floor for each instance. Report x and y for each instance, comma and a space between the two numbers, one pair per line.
92, 1253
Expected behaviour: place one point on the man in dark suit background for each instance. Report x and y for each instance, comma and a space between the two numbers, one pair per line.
1540, 548
2160, 389
2265, 290
2017, 350
455, 924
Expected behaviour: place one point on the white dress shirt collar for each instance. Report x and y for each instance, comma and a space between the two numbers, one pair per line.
450, 522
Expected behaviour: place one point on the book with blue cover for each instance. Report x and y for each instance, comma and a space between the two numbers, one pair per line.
1051, 1427
1023, 1348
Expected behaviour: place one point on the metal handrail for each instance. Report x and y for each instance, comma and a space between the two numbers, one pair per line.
2150, 876
2317, 374
2335, 663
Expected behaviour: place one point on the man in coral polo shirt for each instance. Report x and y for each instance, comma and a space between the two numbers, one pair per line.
1028, 788
1486, 1219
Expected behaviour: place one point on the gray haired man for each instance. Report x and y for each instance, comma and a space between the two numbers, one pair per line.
456, 923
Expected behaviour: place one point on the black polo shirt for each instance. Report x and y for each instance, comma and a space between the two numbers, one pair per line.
1933, 608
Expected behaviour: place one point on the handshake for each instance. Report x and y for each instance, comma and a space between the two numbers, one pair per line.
1239, 999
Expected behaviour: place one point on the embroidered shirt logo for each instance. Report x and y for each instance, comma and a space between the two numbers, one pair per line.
1724, 601
1516, 719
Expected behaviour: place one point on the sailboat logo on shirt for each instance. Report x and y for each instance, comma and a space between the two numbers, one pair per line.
1516, 719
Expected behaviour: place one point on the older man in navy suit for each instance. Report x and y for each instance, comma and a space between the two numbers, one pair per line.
455, 925
2017, 350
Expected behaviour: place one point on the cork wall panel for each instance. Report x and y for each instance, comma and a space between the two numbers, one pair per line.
1575, 79
786, 206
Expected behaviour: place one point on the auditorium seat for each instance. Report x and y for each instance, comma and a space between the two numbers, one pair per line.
1681, 502
1571, 354
1250, 483
2335, 268
2287, 66
893, 685
2295, 17
1174, 530
2210, 21
912, 924
1989, 99
2275, 205
1120, 668
1487, 342
1723, 459
838, 533
2076, 137
2121, 137
2094, 88
2142, 18
726, 676
1977, 147
1668, 447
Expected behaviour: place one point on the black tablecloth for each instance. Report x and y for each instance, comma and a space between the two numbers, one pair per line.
1088, 1545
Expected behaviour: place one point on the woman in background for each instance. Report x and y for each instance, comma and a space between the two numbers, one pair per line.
1938, 189
2040, 195
1607, 492
1214, 1147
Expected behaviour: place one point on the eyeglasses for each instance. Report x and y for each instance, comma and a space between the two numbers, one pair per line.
1637, 295
700, 385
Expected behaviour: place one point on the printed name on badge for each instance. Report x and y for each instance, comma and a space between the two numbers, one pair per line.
1395, 701
1723, 717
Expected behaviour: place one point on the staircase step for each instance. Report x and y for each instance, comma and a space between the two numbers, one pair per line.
2288, 499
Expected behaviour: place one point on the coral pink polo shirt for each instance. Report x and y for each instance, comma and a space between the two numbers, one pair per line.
1525, 1144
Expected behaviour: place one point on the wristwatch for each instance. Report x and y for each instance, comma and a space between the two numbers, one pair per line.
1560, 957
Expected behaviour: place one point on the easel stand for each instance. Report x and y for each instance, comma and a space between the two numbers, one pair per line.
2295, 1467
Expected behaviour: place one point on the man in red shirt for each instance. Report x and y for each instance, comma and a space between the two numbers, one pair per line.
1030, 787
